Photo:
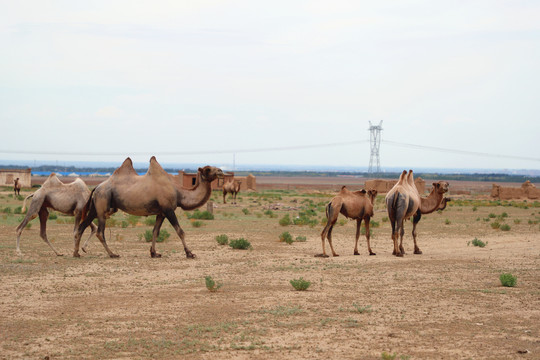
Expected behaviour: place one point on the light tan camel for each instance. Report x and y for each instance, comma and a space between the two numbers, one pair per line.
232, 187
155, 193
354, 205
404, 201
68, 199
17, 186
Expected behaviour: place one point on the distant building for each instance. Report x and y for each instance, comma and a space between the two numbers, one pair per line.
188, 180
8, 176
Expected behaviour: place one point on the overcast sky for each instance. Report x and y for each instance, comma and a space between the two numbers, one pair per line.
137, 78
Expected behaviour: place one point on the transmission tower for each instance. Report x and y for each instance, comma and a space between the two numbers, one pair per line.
375, 142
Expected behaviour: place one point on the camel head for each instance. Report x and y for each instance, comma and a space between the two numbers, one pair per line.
372, 194
210, 173
441, 187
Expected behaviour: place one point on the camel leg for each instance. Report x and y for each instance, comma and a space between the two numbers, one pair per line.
155, 234
101, 236
224, 195
368, 236
93, 229
401, 233
323, 238
330, 241
171, 216
395, 236
416, 219
358, 226
43, 217
29, 217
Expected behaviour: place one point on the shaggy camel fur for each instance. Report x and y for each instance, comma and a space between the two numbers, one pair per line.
404, 201
354, 205
232, 187
17, 187
68, 199
155, 193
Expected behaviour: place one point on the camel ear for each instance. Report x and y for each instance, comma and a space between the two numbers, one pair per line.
363, 191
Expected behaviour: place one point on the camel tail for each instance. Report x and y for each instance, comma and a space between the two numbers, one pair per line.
23, 210
88, 206
329, 211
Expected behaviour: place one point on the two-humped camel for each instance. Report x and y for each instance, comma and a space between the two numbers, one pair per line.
354, 205
17, 186
232, 187
68, 199
155, 193
404, 201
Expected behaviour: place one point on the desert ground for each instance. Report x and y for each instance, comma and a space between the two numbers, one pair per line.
447, 303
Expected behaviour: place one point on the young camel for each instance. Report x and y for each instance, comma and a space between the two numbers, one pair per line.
232, 187
68, 199
354, 205
155, 193
17, 187
404, 201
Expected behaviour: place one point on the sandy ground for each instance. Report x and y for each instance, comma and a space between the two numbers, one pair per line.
447, 303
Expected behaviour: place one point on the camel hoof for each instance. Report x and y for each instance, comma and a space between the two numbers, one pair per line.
84, 250
114, 256
76, 255
155, 255
322, 255
372, 254
356, 253
418, 252
399, 255
59, 254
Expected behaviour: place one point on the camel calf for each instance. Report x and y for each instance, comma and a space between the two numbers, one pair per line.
232, 187
68, 199
17, 187
354, 205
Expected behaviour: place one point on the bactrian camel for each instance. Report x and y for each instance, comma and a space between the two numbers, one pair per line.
155, 193
68, 199
232, 187
404, 201
354, 205
17, 186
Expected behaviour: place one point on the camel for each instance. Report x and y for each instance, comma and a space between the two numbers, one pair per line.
404, 201
155, 193
232, 187
17, 187
68, 199
354, 205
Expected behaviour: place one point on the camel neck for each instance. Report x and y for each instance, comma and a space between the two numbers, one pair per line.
189, 199
430, 203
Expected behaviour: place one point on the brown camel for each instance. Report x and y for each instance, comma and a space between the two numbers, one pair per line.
232, 187
155, 193
68, 199
354, 205
404, 201
17, 187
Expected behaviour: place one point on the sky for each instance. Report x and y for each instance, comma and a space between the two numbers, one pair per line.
273, 83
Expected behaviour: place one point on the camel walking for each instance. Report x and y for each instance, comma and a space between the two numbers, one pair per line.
68, 199
404, 201
155, 193
232, 187
17, 186
354, 205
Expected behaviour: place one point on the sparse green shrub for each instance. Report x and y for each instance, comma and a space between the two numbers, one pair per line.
300, 284
222, 239
150, 220
53, 216
28, 226
385, 219
447, 222
301, 239
111, 222
286, 237
285, 220
163, 235
505, 227
7, 210
342, 222
204, 215
362, 309
495, 225
474, 208
270, 214
374, 224
479, 243
245, 211
508, 280
211, 285
387, 356
504, 215
241, 244
492, 215
133, 220
197, 223
517, 221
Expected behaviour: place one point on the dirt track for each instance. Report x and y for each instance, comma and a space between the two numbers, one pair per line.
445, 304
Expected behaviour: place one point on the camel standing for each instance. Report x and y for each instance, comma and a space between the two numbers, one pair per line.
68, 199
404, 201
232, 187
17, 186
355, 205
155, 193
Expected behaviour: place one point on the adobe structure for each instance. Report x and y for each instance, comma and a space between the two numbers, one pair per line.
8, 176
383, 186
248, 182
526, 191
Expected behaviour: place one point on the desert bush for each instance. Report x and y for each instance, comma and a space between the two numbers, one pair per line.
447, 222
150, 220
478, 242
197, 223
505, 227
301, 239
53, 216
133, 220
270, 214
124, 224
204, 215
163, 235
241, 244
300, 284
517, 221
342, 222
374, 224
492, 215
285, 220
286, 237
385, 219
245, 211
211, 285
222, 239
508, 280
495, 225
7, 210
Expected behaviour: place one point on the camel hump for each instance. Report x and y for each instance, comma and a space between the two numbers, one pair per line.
126, 168
155, 168
402, 177
52, 180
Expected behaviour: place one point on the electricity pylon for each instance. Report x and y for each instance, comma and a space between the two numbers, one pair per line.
375, 144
